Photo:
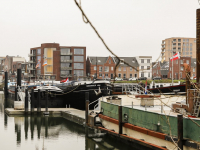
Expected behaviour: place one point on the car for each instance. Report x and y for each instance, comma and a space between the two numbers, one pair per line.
142, 78
132, 79
157, 78
118, 79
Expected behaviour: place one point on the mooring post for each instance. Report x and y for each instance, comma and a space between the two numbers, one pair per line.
6, 86
46, 104
26, 101
38, 102
32, 101
120, 119
19, 80
180, 131
86, 107
15, 93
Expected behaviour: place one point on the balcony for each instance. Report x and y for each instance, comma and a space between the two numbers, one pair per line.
31, 55
68, 54
69, 61
31, 68
48, 72
31, 75
64, 75
66, 68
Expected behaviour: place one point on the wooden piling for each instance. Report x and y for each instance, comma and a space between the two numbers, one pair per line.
19, 77
180, 131
15, 93
32, 101
120, 119
6, 86
26, 101
86, 107
38, 102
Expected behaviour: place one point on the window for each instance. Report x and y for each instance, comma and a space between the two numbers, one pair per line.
119, 69
119, 75
148, 60
193, 69
187, 49
106, 69
124, 76
100, 68
109, 61
39, 51
176, 61
190, 48
179, 44
136, 75
148, 74
170, 75
65, 58
124, 69
179, 40
78, 72
181, 67
112, 68
148, 67
179, 49
106, 75
190, 53
181, 61
64, 66
187, 61
130, 75
64, 51
142, 74
100, 75
79, 66
95, 68
131, 68
170, 69
180, 74
174, 40
174, 44
142, 60
78, 51
187, 40
78, 58
142, 67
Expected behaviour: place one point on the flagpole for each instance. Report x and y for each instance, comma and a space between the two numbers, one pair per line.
172, 66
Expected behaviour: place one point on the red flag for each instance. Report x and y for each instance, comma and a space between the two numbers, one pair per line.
64, 81
175, 57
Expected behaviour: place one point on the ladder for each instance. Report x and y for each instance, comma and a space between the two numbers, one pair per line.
196, 104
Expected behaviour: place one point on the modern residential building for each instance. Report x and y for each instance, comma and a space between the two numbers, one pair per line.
145, 66
124, 71
100, 67
185, 46
57, 62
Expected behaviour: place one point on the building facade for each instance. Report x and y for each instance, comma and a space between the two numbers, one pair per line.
124, 71
60, 62
105, 67
185, 46
178, 68
100, 67
145, 66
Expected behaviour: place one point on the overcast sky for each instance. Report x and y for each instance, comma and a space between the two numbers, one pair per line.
129, 27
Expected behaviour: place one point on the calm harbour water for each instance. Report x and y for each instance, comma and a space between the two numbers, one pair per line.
48, 133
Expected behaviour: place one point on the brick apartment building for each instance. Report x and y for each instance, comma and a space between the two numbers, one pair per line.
179, 70
62, 62
104, 67
125, 71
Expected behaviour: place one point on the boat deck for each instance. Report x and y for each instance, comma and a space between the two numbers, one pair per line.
167, 101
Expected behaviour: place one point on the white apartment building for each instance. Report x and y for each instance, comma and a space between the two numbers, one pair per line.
145, 67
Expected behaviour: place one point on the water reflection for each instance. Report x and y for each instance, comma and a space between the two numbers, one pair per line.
50, 133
